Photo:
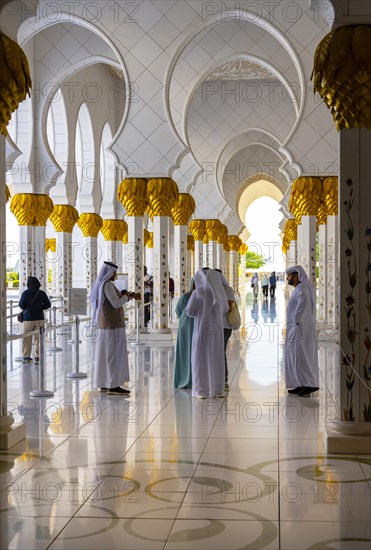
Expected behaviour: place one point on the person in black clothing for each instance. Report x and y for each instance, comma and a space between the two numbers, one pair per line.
32, 302
272, 284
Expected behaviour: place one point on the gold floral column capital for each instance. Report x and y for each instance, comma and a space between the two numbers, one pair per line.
183, 209
305, 197
31, 209
90, 224
234, 243
50, 245
162, 194
243, 249
197, 228
114, 230
213, 229
190, 242
132, 193
290, 233
15, 81
64, 217
330, 195
150, 240
342, 75
223, 234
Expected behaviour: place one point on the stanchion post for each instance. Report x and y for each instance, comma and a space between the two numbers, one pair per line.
11, 317
137, 341
54, 346
77, 374
42, 392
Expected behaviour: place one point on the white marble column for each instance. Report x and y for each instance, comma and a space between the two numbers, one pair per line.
308, 247
180, 261
205, 253
234, 270
10, 434
332, 287
135, 265
90, 224
291, 255
212, 254
64, 263
322, 275
39, 245
160, 312
27, 259
199, 255
190, 258
355, 273
90, 255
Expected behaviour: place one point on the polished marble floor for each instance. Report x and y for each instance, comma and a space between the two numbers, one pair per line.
162, 470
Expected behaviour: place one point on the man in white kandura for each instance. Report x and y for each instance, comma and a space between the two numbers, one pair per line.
301, 350
111, 356
207, 305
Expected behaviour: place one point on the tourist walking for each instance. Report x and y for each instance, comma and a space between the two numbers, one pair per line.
33, 303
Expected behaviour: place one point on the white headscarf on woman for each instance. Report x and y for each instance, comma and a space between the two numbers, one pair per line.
303, 278
96, 296
209, 288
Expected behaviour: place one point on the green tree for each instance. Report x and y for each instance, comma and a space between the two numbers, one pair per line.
254, 261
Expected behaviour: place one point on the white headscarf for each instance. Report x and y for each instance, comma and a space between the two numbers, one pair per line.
303, 278
227, 288
209, 288
97, 295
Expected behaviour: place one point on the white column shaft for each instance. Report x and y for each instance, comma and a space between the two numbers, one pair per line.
91, 261
308, 247
332, 289
135, 265
27, 264
355, 273
212, 247
180, 261
64, 263
322, 274
199, 255
160, 311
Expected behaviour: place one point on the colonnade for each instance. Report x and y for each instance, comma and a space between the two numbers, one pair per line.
170, 211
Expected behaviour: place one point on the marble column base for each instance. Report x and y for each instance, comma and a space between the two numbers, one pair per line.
336, 442
158, 338
12, 435
327, 333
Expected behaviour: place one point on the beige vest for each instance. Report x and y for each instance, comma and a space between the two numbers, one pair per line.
111, 317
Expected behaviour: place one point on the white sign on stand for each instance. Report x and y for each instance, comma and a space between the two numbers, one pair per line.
122, 281
77, 301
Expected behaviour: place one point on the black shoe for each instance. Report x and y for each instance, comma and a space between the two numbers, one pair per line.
296, 390
103, 390
306, 391
118, 391
36, 359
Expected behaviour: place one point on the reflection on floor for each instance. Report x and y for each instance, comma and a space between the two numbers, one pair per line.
163, 470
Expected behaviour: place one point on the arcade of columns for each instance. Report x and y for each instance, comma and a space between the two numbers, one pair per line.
342, 78
157, 197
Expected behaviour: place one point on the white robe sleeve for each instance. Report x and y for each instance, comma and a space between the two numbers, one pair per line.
301, 302
110, 294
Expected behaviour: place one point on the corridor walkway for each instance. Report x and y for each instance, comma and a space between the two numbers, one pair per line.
161, 470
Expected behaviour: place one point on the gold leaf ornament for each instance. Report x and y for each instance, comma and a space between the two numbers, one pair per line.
90, 224
342, 75
114, 230
132, 193
183, 209
162, 194
64, 217
31, 209
198, 229
15, 79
